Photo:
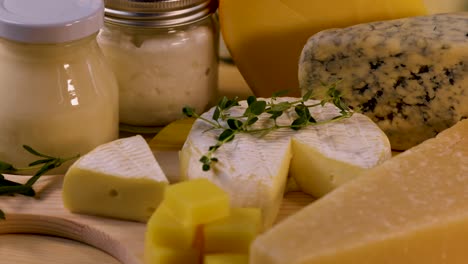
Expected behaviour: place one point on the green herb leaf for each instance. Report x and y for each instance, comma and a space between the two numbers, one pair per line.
275, 114
216, 114
280, 107
188, 111
299, 123
206, 167
252, 121
2, 215
34, 152
204, 159
222, 102
6, 167
234, 124
41, 161
19, 189
307, 95
251, 99
302, 111
227, 135
231, 103
258, 107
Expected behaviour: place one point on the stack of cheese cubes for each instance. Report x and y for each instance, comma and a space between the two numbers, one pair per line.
194, 224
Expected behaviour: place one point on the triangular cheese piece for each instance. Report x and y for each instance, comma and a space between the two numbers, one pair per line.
411, 209
120, 179
253, 168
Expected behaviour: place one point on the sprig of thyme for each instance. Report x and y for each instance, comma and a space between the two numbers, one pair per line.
43, 165
233, 125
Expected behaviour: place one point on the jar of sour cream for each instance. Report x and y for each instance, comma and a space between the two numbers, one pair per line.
164, 55
57, 94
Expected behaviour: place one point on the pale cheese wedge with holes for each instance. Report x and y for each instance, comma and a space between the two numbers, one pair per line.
120, 179
253, 168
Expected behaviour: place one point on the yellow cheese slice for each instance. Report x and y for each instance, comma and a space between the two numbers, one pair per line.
411, 209
265, 37
119, 179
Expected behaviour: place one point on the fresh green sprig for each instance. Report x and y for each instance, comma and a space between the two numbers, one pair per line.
42, 166
233, 125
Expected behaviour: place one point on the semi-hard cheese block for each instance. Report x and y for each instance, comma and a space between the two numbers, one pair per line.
120, 179
166, 230
233, 233
253, 168
196, 202
409, 75
411, 209
265, 37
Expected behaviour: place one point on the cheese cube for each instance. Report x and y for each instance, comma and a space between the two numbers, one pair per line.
233, 233
167, 231
162, 255
120, 179
411, 209
226, 259
197, 202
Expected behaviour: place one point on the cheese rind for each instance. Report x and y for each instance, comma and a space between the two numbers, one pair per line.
411, 209
408, 75
253, 169
120, 179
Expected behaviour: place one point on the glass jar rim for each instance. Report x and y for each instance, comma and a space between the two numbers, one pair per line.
158, 13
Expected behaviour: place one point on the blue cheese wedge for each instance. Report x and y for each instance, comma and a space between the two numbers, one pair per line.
253, 168
120, 179
410, 75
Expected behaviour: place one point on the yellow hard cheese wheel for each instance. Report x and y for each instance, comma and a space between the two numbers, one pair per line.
172, 136
265, 37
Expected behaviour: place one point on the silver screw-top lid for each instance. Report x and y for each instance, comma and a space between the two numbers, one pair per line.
158, 13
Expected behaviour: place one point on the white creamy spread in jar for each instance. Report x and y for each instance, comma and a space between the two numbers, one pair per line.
161, 71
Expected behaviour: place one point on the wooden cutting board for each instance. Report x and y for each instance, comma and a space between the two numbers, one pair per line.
89, 236
45, 215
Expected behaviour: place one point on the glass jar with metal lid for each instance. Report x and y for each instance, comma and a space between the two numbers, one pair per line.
57, 94
164, 55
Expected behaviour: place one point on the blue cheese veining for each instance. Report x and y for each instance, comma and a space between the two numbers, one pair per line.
409, 75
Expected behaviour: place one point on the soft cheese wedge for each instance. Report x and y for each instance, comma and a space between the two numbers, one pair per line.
120, 179
411, 209
253, 169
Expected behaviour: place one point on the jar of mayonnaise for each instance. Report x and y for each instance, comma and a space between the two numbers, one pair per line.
57, 94
165, 56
